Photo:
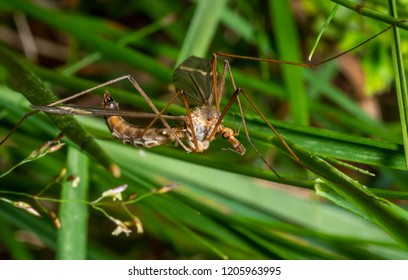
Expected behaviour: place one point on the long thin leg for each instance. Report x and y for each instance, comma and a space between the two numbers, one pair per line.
218, 91
240, 90
155, 110
188, 111
18, 125
260, 114
59, 102
234, 96
142, 93
215, 82
218, 94
161, 112
90, 90
250, 140
190, 121
237, 91
159, 116
307, 65
135, 85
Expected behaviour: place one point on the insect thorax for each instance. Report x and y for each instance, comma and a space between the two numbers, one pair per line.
203, 120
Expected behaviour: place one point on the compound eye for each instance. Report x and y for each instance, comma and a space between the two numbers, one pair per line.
107, 98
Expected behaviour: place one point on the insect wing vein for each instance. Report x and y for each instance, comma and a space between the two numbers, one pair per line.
194, 76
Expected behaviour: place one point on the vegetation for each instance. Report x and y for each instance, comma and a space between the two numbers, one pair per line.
346, 200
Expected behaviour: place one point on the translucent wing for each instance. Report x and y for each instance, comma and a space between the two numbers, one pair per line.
194, 76
97, 111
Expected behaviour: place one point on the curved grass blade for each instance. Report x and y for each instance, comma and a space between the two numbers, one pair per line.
400, 81
244, 206
354, 195
335, 144
287, 45
326, 23
20, 79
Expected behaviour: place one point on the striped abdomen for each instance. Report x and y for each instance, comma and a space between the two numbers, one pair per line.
139, 137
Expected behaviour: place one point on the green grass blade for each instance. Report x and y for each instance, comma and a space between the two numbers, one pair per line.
319, 36
73, 212
334, 144
244, 200
202, 29
387, 215
400, 80
287, 42
214, 212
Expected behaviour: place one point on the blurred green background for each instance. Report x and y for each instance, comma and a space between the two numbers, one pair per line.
224, 206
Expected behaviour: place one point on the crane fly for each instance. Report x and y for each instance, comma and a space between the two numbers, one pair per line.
200, 91
200, 88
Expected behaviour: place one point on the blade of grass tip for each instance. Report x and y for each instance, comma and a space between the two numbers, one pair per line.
72, 237
326, 23
202, 29
19, 78
400, 81
287, 42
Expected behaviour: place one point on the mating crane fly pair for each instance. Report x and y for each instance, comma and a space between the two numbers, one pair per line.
199, 89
